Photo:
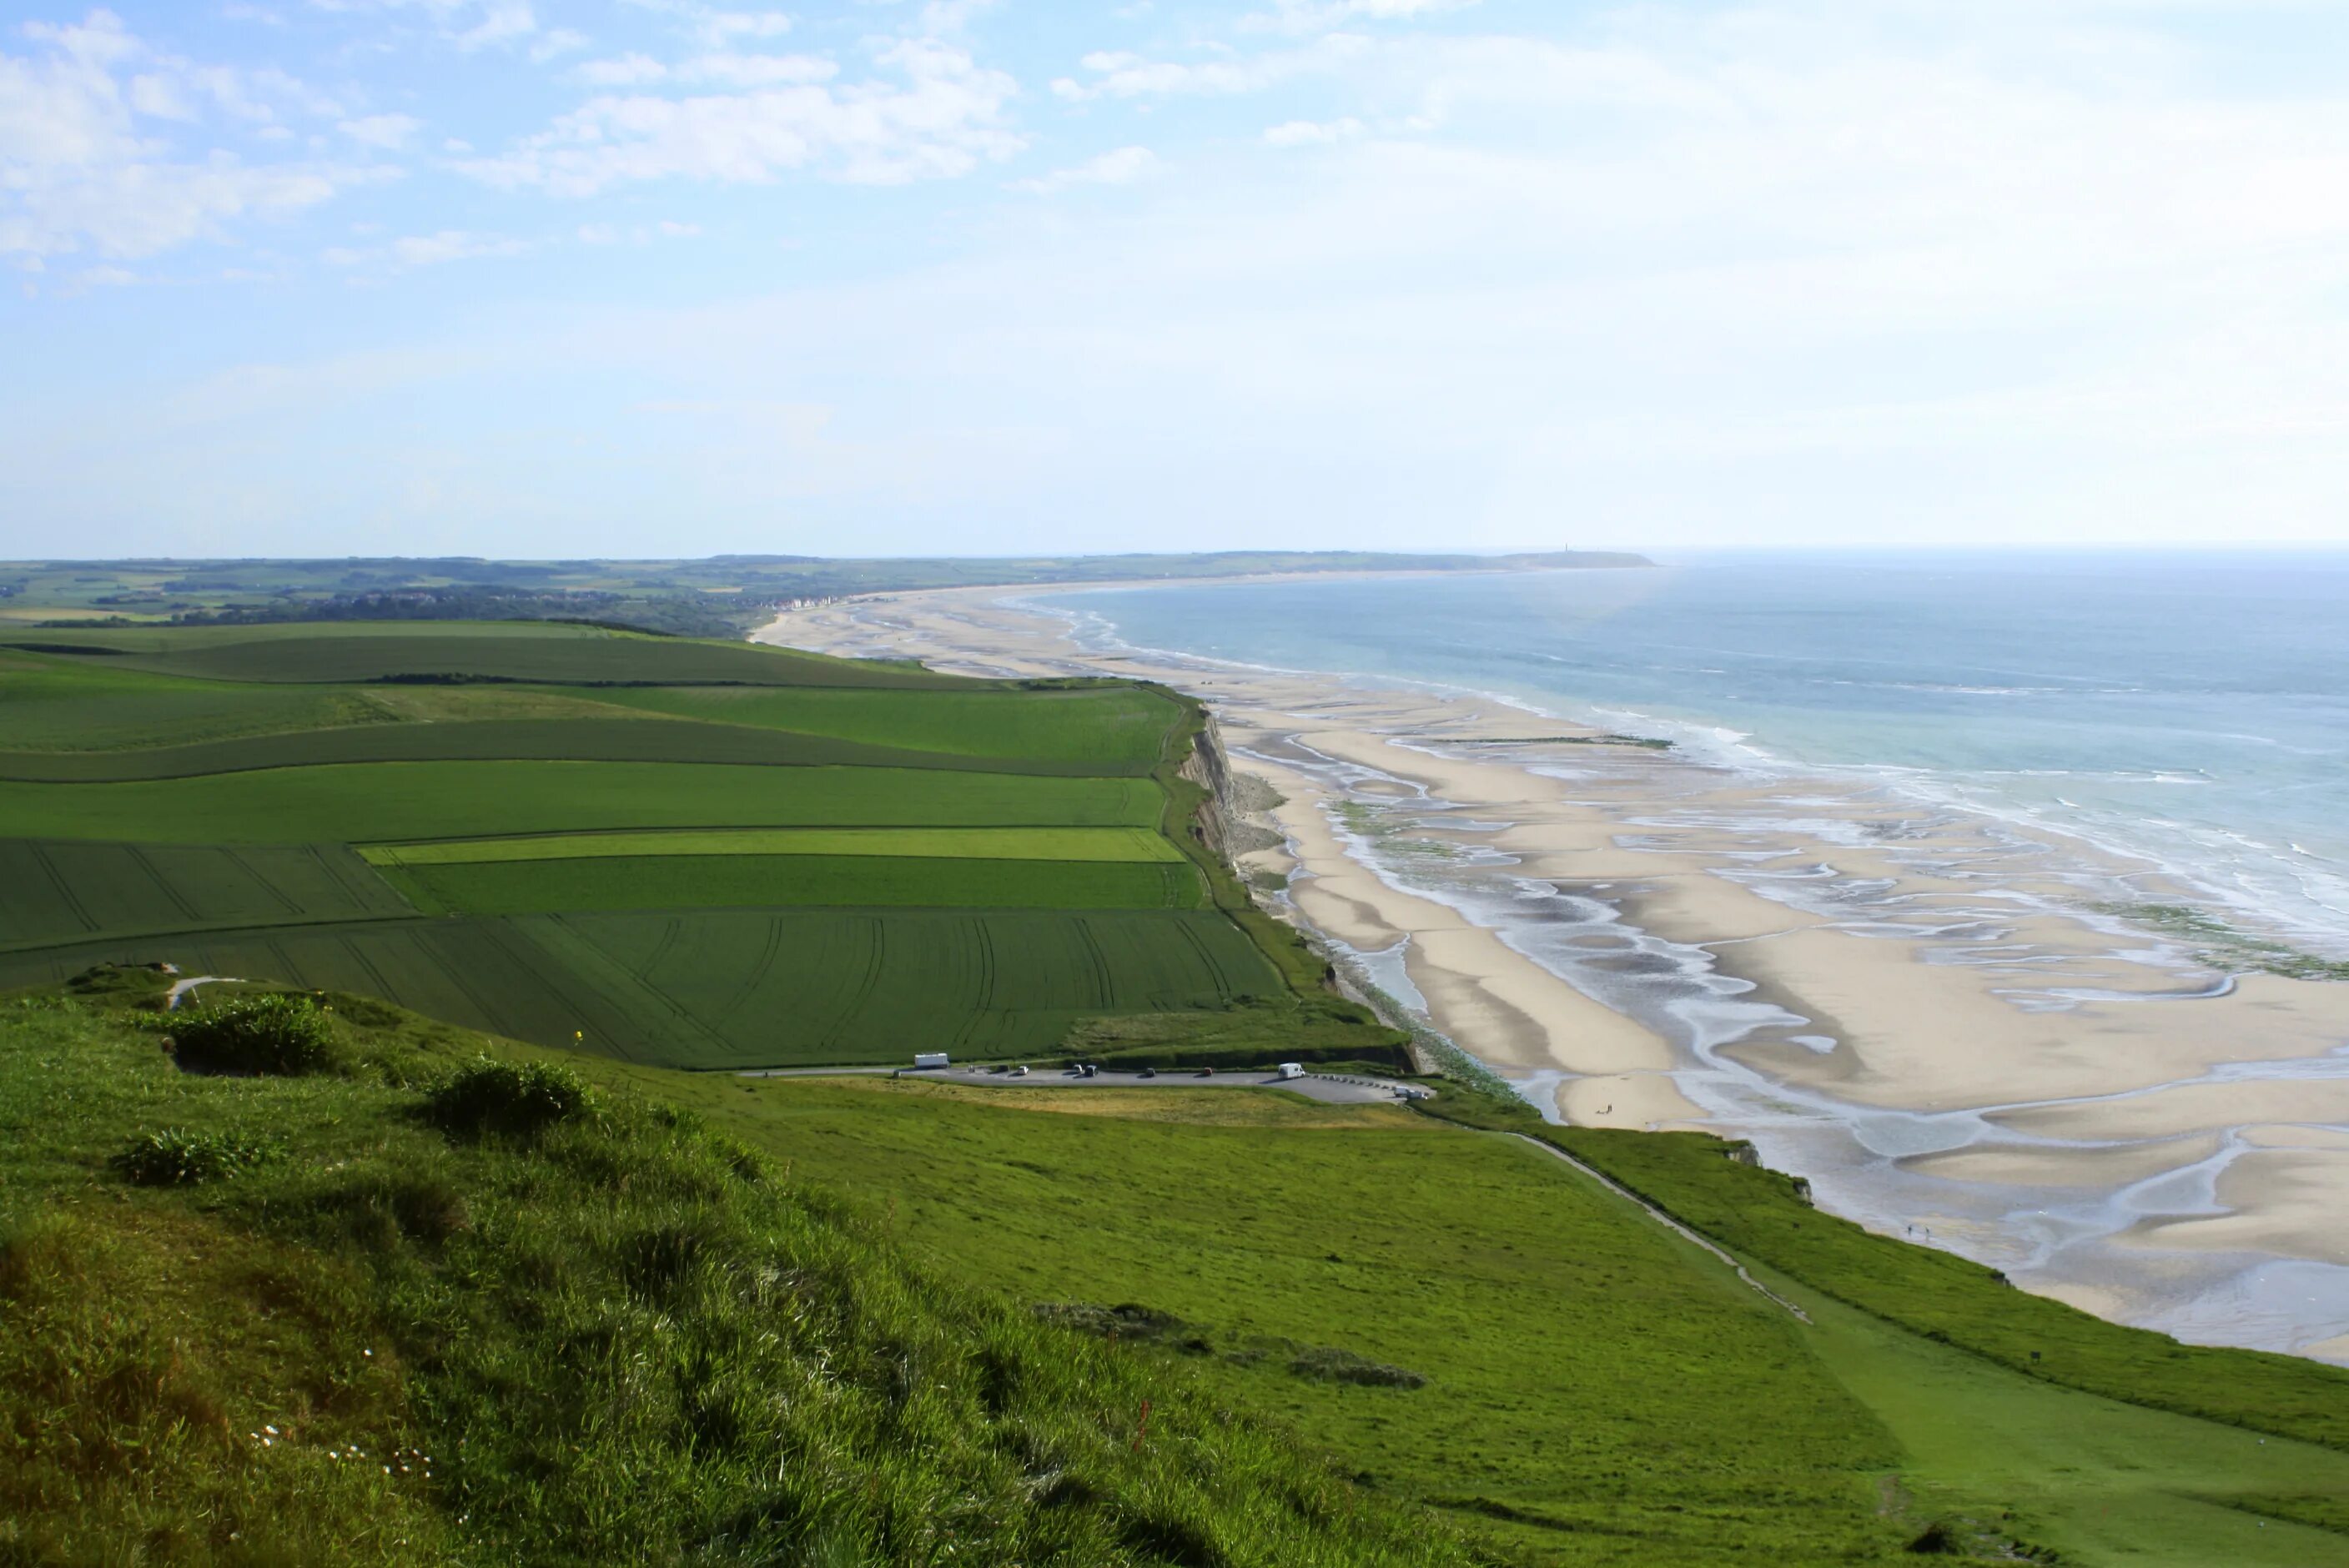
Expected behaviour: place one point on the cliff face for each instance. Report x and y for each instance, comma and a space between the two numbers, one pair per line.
1209, 768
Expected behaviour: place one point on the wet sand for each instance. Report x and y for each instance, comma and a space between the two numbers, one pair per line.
1923, 1011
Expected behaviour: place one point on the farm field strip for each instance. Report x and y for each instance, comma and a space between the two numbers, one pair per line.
1115, 725
736, 989
722, 881
930, 843
396, 802
62, 891
622, 739
526, 652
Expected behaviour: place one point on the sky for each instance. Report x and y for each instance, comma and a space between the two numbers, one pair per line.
665, 277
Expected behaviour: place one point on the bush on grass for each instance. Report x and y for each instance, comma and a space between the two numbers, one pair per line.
518, 1099
174, 1157
273, 1035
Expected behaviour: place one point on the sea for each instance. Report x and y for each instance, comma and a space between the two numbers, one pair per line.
2189, 709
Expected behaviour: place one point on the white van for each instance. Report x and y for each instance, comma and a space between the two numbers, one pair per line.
1290, 1069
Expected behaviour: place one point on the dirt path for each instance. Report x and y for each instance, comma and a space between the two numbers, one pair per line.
1665, 1220
180, 988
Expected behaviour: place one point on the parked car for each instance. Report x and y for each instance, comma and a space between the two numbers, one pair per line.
1148, 1072
1020, 1071
1206, 1072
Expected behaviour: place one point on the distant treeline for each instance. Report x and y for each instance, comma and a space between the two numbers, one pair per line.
722, 596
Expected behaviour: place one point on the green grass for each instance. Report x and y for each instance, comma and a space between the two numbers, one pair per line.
448, 800
732, 881
1559, 1389
416, 1336
1757, 1213
2095, 1480
774, 988
740, 989
1582, 1365
501, 651
565, 739
1121, 724
933, 843
67, 891
48, 704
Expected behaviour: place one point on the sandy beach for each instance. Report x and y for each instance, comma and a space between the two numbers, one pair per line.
1923, 1011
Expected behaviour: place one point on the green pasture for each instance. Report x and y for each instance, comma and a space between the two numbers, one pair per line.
742, 881
392, 801
1598, 1390
357, 652
1100, 724
936, 843
69, 891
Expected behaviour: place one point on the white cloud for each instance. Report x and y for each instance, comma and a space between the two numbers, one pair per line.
1122, 167
558, 41
1312, 133
730, 70
87, 154
930, 111
1118, 75
637, 234
502, 21
1317, 15
388, 131
425, 251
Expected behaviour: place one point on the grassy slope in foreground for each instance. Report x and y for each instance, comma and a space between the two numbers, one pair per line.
618, 1337
1585, 1368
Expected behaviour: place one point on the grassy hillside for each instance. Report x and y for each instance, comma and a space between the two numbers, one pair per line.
706, 854
1596, 1391
416, 1307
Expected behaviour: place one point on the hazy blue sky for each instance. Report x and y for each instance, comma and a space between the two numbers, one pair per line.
567, 277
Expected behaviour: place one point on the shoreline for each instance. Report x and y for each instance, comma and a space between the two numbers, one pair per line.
1917, 1007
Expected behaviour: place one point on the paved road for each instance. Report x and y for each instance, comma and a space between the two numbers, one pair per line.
1332, 1090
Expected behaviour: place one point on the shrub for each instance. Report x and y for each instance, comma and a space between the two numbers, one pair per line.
1334, 1366
517, 1098
276, 1036
174, 1157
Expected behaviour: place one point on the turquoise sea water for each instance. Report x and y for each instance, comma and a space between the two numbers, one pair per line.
2189, 708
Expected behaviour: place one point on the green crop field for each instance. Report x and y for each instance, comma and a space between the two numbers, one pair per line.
66, 890
511, 651
355, 803
624, 740
1114, 725
938, 843
718, 881
695, 854
49, 704
758, 987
